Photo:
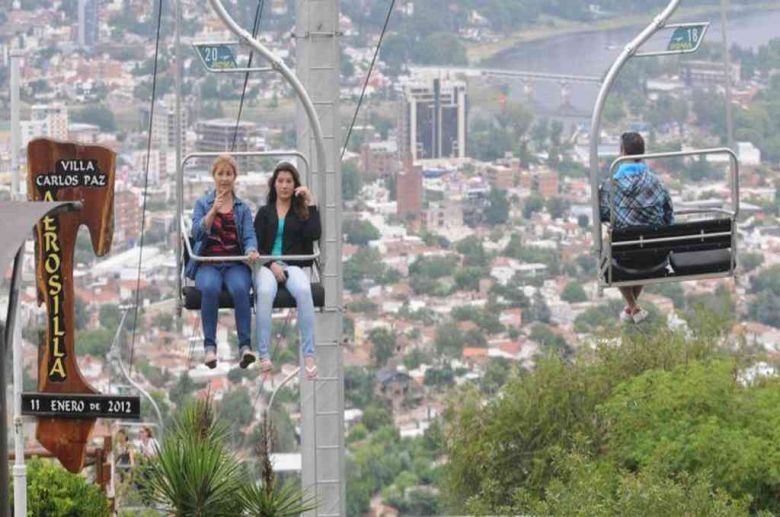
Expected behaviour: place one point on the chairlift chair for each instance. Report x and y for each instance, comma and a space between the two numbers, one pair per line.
703, 248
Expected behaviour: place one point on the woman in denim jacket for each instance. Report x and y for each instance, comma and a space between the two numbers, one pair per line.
222, 226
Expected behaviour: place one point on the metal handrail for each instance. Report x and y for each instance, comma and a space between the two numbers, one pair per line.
185, 223
734, 173
254, 154
675, 238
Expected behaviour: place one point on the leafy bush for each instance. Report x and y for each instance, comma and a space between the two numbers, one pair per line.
55, 492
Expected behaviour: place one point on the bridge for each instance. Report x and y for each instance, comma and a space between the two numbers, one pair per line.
515, 74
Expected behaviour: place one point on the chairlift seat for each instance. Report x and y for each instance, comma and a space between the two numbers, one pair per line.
699, 247
283, 300
701, 262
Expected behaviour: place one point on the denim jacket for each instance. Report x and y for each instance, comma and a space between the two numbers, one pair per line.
244, 224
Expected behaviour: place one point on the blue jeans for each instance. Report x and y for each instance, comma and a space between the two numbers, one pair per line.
237, 278
300, 288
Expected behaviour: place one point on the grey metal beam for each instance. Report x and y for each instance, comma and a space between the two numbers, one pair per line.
322, 401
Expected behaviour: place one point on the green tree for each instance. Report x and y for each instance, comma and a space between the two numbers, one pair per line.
449, 340
533, 204
82, 314
55, 492
109, 316
663, 421
497, 211
384, 343
376, 416
351, 182
163, 321
574, 293
358, 386
360, 232
98, 115
94, 342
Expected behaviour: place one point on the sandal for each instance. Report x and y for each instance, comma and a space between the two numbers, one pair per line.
266, 365
211, 359
311, 369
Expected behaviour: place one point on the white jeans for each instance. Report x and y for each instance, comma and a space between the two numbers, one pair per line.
299, 287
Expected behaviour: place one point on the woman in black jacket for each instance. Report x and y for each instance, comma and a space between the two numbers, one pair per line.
288, 224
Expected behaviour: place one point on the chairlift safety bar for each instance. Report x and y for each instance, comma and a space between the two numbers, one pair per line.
254, 154
186, 223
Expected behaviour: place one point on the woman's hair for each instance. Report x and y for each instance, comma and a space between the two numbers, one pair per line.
224, 159
148, 430
298, 202
121, 432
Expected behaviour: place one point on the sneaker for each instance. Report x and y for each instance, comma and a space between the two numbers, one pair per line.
211, 359
640, 316
625, 317
247, 357
310, 367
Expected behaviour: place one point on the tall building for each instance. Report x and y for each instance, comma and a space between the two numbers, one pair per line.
409, 192
217, 135
88, 22
127, 217
433, 120
49, 120
164, 124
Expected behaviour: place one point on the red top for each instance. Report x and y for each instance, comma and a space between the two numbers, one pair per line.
223, 239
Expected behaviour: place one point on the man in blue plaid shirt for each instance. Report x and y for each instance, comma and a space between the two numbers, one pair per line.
640, 199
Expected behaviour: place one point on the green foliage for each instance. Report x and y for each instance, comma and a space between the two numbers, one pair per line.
658, 423
358, 386
194, 472
497, 211
94, 342
533, 204
55, 492
98, 115
109, 316
550, 341
82, 315
384, 341
473, 252
376, 416
163, 321
574, 293
351, 182
366, 265
360, 232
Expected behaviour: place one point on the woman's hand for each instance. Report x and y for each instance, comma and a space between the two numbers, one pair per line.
223, 202
253, 256
278, 272
307, 196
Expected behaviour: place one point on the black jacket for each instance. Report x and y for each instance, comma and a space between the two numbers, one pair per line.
299, 236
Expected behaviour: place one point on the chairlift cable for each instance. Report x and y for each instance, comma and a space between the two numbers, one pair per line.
255, 28
368, 77
146, 185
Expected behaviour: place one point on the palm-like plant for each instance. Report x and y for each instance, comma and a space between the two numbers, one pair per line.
268, 498
194, 473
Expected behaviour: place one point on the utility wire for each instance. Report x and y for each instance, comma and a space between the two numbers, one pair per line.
368, 77
146, 185
255, 28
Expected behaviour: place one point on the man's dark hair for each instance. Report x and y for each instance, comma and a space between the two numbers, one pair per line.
632, 143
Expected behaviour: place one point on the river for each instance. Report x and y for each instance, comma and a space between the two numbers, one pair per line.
592, 53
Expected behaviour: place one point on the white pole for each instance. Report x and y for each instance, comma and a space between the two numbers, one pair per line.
20, 468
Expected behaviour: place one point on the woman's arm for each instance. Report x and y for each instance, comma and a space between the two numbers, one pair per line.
312, 229
202, 219
248, 233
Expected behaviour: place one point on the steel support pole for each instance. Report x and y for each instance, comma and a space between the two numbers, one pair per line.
179, 168
322, 401
606, 87
724, 27
20, 468
7, 337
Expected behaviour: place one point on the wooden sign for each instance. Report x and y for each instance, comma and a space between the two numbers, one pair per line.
59, 171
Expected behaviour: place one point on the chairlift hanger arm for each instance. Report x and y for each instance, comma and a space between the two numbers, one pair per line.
300, 91
595, 126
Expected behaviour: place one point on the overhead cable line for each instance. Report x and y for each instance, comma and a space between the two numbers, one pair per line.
368, 77
146, 185
255, 28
